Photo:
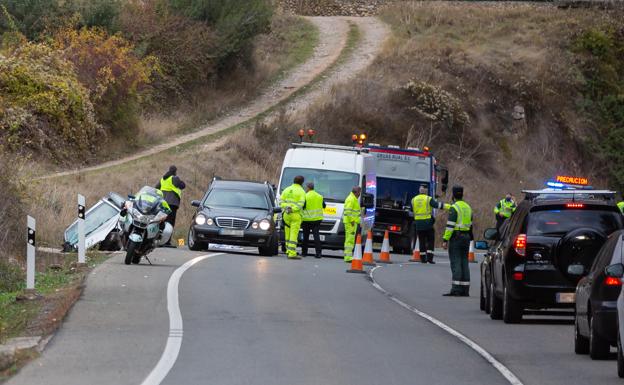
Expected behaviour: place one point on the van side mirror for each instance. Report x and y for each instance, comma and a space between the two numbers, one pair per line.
368, 200
576, 270
481, 245
444, 180
195, 203
490, 234
616, 270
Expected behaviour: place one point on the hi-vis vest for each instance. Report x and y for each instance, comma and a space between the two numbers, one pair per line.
421, 204
167, 185
462, 223
505, 209
620, 206
313, 207
294, 197
352, 209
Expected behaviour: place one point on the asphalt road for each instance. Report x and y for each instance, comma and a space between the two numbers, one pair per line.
256, 320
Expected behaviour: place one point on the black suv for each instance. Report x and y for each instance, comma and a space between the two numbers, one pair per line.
548, 244
236, 213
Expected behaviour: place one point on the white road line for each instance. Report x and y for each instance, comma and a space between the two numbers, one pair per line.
176, 331
509, 376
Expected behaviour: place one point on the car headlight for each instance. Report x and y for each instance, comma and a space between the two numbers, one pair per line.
200, 219
265, 224
209, 221
254, 225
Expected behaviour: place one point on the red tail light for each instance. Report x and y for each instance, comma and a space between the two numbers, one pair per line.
520, 244
518, 276
575, 205
612, 281
394, 228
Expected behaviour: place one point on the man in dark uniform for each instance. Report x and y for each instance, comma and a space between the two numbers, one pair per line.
171, 185
457, 239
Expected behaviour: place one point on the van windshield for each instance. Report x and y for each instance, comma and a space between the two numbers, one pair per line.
334, 186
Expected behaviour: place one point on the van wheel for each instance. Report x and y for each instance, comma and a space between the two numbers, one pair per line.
496, 305
512, 309
581, 343
598, 347
487, 298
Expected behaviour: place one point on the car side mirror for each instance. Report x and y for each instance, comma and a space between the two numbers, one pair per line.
481, 245
368, 201
195, 203
277, 210
616, 270
576, 270
131, 197
490, 234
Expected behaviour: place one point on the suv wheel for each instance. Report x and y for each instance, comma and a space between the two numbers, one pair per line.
598, 347
512, 309
581, 343
620, 358
496, 305
194, 244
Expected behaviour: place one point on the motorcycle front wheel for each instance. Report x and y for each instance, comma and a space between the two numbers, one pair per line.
130, 251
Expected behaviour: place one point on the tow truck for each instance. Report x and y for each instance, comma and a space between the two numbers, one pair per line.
400, 173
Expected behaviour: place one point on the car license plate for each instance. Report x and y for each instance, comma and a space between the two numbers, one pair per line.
566, 297
322, 237
232, 233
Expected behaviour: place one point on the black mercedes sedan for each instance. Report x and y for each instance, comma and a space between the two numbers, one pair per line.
596, 324
236, 213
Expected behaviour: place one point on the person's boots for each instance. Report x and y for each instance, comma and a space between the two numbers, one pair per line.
430, 258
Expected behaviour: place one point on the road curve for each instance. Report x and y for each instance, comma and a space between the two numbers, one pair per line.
333, 34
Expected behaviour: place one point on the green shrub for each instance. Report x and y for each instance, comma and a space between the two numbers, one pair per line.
43, 106
33, 17
236, 21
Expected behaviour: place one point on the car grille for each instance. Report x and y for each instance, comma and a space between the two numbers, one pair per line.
327, 225
232, 223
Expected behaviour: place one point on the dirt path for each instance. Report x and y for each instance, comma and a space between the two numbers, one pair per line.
333, 34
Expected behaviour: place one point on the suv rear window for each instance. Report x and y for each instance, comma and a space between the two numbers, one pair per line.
558, 222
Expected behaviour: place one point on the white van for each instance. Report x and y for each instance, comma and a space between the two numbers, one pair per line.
334, 171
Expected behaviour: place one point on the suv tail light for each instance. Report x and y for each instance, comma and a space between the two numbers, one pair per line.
612, 281
394, 228
520, 244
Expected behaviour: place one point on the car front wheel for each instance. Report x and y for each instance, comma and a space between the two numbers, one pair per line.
598, 347
581, 343
194, 244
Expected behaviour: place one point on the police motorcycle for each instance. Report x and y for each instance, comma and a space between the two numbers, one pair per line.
143, 225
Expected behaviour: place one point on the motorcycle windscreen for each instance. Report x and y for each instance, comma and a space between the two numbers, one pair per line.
147, 204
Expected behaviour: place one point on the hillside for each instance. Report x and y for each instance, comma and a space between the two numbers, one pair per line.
507, 95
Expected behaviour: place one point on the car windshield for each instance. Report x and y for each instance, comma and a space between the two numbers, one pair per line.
236, 198
334, 186
98, 215
560, 222
396, 190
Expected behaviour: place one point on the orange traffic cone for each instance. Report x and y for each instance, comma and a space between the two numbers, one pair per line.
356, 262
384, 256
471, 253
367, 258
416, 254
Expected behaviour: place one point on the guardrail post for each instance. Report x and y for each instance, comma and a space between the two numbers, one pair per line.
81, 230
30, 254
